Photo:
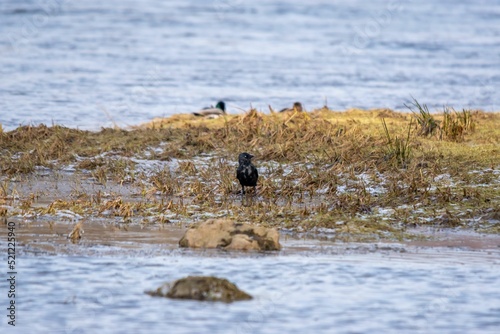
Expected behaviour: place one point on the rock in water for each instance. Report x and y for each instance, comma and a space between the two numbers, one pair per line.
227, 234
76, 233
207, 288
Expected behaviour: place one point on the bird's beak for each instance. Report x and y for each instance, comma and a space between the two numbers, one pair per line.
251, 156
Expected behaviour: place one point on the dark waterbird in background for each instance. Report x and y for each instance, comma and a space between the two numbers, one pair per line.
246, 172
297, 106
220, 109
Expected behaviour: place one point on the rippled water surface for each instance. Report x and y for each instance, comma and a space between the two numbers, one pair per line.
310, 286
96, 63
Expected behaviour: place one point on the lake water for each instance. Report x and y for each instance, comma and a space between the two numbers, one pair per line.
311, 286
94, 63
293, 294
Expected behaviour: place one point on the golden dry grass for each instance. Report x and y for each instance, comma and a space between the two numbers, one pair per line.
329, 169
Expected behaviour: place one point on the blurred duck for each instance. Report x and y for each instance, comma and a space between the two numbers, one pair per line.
220, 109
297, 106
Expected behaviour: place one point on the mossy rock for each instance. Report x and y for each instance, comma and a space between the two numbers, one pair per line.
205, 288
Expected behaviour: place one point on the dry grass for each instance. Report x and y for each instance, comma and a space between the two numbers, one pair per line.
356, 172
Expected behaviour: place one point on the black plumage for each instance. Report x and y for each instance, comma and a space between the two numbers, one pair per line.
246, 172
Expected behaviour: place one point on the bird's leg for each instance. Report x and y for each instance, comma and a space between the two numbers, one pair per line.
246, 201
242, 190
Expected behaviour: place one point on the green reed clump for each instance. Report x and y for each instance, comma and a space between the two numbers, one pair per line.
398, 148
454, 127
427, 124
456, 124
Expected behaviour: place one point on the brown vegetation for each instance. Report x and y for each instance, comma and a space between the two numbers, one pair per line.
356, 172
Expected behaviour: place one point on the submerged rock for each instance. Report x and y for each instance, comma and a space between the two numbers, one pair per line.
227, 234
207, 288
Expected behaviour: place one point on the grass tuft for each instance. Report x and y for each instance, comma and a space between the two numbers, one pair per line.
457, 124
426, 122
399, 149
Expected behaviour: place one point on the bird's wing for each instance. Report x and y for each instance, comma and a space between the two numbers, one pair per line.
208, 112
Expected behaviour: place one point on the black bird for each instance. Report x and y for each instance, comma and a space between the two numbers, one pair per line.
246, 172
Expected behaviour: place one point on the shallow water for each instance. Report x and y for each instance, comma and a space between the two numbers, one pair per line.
96, 63
312, 285
293, 294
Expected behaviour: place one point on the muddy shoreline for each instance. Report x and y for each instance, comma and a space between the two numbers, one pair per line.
50, 205
105, 237
355, 176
